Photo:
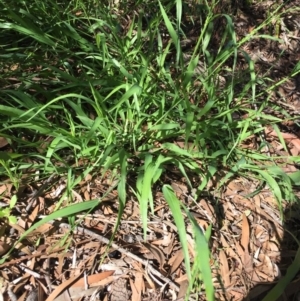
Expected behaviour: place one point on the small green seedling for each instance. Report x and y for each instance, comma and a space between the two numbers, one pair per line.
6, 212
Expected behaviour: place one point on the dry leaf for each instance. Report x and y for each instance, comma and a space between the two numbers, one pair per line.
175, 261
292, 138
87, 195
183, 289
42, 230
268, 267
92, 279
246, 258
4, 247
157, 253
6, 188
209, 210
239, 250
137, 287
248, 262
3, 142
33, 215
233, 187
23, 296
169, 248
181, 279
224, 268
245, 233
105, 281
149, 280
64, 285
76, 293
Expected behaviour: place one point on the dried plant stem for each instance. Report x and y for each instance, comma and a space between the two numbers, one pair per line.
122, 250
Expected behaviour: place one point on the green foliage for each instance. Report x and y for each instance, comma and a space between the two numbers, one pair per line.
6, 212
65, 212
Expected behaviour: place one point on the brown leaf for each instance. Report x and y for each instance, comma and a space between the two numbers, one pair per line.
4, 247
137, 286
105, 281
179, 187
183, 289
61, 261
208, 209
262, 276
245, 233
60, 289
23, 297
33, 215
169, 248
149, 280
43, 230
233, 187
3, 142
248, 262
175, 261
246, 258
239, 250
157, 253
268, 267
87, 195
77, 293
5, 189
92, 279
224, 268
182, 278
292, 138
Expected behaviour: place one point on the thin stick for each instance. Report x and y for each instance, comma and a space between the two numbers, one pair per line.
122, 250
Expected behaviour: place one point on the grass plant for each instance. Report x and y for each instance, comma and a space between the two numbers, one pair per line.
82, 93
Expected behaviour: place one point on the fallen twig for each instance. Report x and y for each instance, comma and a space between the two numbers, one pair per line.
122, 250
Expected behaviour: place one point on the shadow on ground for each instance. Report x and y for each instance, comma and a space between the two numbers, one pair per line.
288, 250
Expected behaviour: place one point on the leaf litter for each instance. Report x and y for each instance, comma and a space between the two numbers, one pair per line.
245, 255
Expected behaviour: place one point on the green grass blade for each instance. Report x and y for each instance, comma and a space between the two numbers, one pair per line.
27, 28
203, 257
172, 32
123, 156
174, 205
65, 212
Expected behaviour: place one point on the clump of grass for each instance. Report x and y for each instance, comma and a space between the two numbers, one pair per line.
81, 83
